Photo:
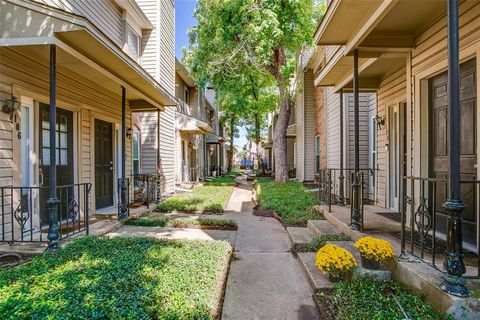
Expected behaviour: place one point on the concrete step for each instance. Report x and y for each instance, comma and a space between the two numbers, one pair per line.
299, 235
317, 279
321, 227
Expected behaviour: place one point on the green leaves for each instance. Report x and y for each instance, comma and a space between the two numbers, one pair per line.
156, 220
290, 200
118, 278
202, 199
365, 298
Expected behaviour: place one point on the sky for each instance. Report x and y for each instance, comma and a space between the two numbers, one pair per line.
184, 20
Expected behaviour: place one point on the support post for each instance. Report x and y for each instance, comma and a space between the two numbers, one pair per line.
356, 218
123, 212
341, 178
454, 282
53, 234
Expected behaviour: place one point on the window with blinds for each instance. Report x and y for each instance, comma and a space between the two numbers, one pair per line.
133, 43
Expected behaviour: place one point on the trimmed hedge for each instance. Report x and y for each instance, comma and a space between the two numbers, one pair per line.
365, 298
153, 220
201, 199
118, 278
290, 200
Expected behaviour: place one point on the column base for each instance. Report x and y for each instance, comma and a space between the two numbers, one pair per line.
53, 234
455, 286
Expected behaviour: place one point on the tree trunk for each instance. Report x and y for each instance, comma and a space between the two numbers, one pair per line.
232, 136
280, 136
261, 169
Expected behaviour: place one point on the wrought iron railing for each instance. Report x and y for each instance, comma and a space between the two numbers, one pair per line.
334, 185
145, 188
424, 227
25, 213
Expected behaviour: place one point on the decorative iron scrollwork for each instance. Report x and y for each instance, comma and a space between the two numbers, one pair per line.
423, 218
21, 215
73, 210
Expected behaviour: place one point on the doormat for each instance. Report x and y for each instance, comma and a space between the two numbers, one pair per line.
394, 216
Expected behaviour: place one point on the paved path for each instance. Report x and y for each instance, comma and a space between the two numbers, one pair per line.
265, 281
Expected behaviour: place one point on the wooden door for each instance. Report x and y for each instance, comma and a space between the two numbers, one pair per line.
64, 154
103, 164
439, 139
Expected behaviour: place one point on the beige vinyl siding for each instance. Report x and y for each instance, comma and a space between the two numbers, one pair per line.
150, 38
167, 148
104, 14
166, 27
74, 92
363, 130
299, 112
148, 150
392, 91
6, 158
201, 155
290, 152
332, 102
309, 124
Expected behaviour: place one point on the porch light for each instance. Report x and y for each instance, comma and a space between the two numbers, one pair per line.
380, 122
10, 106
129, 133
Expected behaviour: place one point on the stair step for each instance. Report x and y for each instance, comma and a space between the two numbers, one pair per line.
321, 227
299, 235
317, 279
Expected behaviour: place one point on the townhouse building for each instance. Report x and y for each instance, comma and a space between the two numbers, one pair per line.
72, 74
396, 124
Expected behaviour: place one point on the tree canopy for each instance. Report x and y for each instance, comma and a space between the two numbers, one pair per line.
236, 41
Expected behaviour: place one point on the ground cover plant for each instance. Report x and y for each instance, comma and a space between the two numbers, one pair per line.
155, 220
289, 200
118, 278
365, 298
319, 241
202, 199
224, 180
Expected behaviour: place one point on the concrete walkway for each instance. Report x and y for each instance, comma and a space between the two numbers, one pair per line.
265, 281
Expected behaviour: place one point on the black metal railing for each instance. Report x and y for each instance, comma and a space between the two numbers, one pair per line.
424, 230
332, 180
123, 198
25, 213
145, 188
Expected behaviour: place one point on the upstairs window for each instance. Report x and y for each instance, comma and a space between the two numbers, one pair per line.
133, 43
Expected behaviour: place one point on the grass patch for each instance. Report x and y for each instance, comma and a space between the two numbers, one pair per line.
154, 220
224, 180
365, 298
290, 200
201, 199
118, 278
319, 241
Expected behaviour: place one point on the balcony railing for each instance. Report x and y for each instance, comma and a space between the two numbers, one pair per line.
183, 107
424, 232
25, 213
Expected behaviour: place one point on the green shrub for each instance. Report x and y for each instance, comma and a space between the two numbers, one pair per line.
199, 200
290, 200
319, 241
154, 220
365, 298
224, 180
117, 278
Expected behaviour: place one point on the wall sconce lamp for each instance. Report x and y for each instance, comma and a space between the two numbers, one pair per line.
10, 106
129, 133
380, 122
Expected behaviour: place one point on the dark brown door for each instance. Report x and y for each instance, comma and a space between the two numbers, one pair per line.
103, 164
468, 145
64, 154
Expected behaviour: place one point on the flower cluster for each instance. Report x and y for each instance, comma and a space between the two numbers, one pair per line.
334, 260
374, 248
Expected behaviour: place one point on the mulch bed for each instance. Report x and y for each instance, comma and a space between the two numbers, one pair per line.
13, 259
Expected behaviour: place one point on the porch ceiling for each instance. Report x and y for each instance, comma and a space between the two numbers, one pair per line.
378, 24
